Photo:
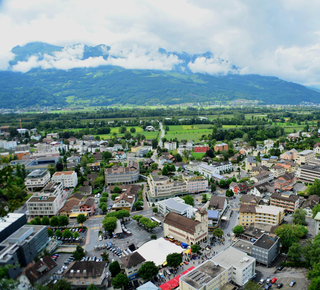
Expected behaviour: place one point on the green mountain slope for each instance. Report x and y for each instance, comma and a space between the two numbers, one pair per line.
113, 85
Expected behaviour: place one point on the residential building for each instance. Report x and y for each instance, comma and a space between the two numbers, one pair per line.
11, 223
86, 190
143, 151
131, 264
285, 182
71, 206
187, 230
305, 157
21, 247
9, 145
262, 189
266, 249
287, 200
121, 174
218, 203
94, 167
262, 177
246, 150
126, 198
134, 149
185, 147
316, 148
196, 184
87, 206
312, 201
82, 274
250, 199
35, 271
161, 187
37, 179
215, 168
239, 188
250, 161
221, 147
268, 143
250, 214
308, 173
201, 148
170, 145
121, 155
176, 205
289, 155
48, 201
289, 165
317, 224
67, 178
88, 137
278, 170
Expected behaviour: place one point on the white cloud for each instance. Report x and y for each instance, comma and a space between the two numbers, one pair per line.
275, 37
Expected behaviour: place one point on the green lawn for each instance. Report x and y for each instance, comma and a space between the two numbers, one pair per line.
197, 155
188, 132
148, 135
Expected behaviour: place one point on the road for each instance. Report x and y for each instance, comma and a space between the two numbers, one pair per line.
161, 135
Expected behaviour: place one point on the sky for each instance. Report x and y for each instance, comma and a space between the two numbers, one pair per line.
274, 38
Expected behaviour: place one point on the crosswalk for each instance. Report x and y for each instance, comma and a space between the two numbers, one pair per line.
94, 228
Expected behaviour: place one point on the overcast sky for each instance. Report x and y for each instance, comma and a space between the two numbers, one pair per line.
277, 38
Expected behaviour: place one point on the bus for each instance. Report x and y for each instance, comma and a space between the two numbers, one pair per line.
156, 220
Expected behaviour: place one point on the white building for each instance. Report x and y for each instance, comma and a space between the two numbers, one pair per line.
317, 224
8, 144
67, 178
176, 205
37, 179
48, 201
196, 184
170, 145
304, 157
215, 168
231, 265
185, 147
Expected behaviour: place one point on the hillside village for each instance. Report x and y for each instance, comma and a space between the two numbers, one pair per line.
159, 213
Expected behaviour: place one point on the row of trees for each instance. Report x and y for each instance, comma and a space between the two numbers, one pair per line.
144, 221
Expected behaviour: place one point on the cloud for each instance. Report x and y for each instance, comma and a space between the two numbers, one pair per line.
275, 37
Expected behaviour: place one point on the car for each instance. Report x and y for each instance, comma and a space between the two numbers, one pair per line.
100, 238
181, 264
80, 230
268, 286
261, 281
280, 268
274, 280
268, 280
292, 283
186, 262
280, 285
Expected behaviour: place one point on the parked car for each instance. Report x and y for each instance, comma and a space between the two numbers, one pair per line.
274, 280
268, 286
268, 280
292, 283
261, 281
280, 268
280, 285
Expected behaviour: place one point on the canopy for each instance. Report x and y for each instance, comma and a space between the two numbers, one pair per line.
174, 283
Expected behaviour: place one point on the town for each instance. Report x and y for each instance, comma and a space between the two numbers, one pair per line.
161, 202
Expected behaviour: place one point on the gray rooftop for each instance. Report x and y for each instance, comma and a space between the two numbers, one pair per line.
244, 246
266, 241
9, 219
38, 173
172, 203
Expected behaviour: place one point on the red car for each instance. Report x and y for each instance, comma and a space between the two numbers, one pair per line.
80, 230
274, 280
186, 262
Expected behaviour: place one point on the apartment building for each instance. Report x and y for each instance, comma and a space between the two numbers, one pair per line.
176, 205
67, 178
220, 270
131, 264
170, 145
121, 174
250, 214
37, 179
185, 147
250, 161
186, 230
285, 182
196, 184
289, 155
48, 201
305, 157
221, 147
266, 249
201, 148
161, 187
287, 200
215, 168
278, 170
308, 173
82, 274
264, 176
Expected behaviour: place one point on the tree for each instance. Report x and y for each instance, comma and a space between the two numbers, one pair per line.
58, 233
154, 166
315, 210
138, 205
314, 272
50, 232
114, 196
45, 221
63, 220
104, 194
37, 220
104, 199
5, 283
314, 189
62, 285
120, 281
213, 187
155, 210
204, 198
81, 218
178, 157
217, 232
290, 234
76, 235
153, 237
59, 166
188, 199
121, 214
103, 208
116, 189
195, 248
315, 284
154, 143
92, 287
165, 170
67, 234
132, 130
229, 193
299, 216
114, 268
237, 230
294, 252
109, 223
105, 256
148, 270
174, 260
79, 253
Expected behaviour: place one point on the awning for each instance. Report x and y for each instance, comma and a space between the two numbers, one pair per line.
74, 215
174, 283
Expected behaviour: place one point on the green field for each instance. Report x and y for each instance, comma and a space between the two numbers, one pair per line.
188, 132
148, 135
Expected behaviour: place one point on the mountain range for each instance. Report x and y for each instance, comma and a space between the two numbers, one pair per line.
46, 75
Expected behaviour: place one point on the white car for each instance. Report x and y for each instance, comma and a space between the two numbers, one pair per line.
100, 238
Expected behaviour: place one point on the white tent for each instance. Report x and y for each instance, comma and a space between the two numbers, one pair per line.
158, 250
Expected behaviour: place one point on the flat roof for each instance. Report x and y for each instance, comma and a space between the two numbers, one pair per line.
37, 173
203, 274
227, 258
172, 203
244, 246
9, 219
270, 209
266, 241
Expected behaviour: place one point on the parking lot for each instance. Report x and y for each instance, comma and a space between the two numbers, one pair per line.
285, 276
